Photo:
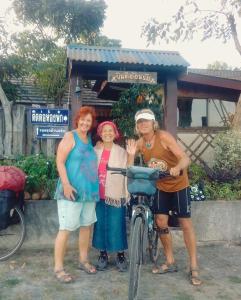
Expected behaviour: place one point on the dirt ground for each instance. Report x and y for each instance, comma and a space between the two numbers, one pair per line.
28, 275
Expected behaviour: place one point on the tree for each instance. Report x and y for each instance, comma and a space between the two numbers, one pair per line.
137, 97
219, 65
11, 66
190, 20
38, 52
66, 19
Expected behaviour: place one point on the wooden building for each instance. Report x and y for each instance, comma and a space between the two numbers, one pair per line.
211, 93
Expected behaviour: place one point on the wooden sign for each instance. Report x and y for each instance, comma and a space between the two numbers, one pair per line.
132, 77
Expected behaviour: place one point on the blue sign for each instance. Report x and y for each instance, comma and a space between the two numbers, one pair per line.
50, 116
47, 132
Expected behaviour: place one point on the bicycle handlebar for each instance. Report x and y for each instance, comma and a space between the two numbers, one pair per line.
123, 171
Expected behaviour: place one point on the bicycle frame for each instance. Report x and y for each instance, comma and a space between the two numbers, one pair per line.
143, 233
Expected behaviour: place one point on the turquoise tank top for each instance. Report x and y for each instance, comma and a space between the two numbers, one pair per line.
82, 172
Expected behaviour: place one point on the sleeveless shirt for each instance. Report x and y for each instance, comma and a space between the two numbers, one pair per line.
164, 159
81, 168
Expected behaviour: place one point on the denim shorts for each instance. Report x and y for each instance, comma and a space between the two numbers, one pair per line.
72, 214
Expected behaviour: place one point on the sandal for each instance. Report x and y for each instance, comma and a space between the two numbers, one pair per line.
63, 277
87, 267
165, 268
194, 278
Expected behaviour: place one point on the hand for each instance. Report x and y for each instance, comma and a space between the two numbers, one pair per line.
69, 191
99, 145
175, 171
131, 146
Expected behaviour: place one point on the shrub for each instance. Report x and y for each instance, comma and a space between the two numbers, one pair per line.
41, 172
227, 156
196, 174
139, 96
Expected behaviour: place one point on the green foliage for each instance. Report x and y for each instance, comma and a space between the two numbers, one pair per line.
225, 191
196, 174
136, 98
213, 189
41, 172
33, 46
101, 41
68, 19
11, 67
227, 156
50, 76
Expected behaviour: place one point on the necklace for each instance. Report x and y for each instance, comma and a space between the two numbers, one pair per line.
148, 143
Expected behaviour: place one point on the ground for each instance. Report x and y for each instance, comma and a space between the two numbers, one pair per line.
28, 275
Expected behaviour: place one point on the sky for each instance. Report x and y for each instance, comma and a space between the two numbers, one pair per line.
125, 18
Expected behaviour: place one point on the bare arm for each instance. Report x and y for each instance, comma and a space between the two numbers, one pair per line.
170, 143
63, 151
132, 148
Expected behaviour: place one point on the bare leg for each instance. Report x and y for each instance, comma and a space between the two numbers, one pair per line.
166, 240
60, 249
190, 242
84, 245
59, 253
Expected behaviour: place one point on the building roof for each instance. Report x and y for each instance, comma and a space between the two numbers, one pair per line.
226, 74
83, 53
30, 93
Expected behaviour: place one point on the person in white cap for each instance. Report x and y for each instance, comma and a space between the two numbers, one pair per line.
159, 149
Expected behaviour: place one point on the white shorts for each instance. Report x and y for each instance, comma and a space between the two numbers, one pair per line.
72, 214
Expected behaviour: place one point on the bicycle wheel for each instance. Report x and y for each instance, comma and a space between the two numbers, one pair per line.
12, 237
135, 257
154, 245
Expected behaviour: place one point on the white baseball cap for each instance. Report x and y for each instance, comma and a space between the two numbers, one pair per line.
145, 116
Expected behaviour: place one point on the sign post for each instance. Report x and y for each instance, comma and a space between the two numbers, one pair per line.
54, 122
132, 77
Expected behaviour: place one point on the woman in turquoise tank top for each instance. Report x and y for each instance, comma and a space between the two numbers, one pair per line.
77, 192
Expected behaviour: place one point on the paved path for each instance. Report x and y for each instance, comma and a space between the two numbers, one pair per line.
29, 275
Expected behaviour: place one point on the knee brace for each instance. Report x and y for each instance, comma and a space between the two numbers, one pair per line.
163, 230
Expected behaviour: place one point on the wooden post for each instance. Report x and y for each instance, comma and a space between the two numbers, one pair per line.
8, 123
75, 98
1, 131
170, 108
50, 143
236, 123
18, 129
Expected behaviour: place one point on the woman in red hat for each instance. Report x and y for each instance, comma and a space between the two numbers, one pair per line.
110, 228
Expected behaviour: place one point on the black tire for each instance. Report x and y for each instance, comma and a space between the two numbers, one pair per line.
12, 237
135, 257
154, 247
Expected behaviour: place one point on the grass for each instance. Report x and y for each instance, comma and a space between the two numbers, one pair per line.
11, 282
234, 279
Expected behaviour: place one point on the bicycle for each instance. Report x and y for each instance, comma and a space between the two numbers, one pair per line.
141, 182
12, 225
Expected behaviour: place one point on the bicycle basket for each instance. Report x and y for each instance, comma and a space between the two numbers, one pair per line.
141, 180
